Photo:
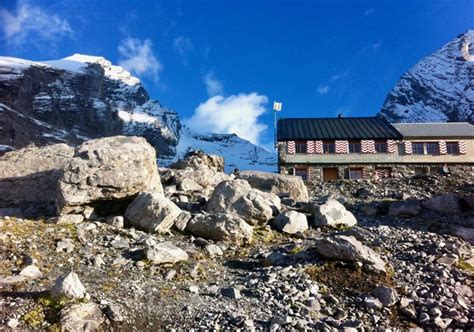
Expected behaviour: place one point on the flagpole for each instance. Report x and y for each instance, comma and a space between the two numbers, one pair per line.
276, 108
275, 129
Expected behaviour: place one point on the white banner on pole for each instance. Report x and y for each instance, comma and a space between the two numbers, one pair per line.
277, 106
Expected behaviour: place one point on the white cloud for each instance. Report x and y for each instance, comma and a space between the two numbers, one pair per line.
369, 11
323, 89
32, 23
376, 45
137, 56
337, 77
237, 114
183, 45
213, 85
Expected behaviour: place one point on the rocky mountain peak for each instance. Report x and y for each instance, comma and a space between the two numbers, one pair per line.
83, 97
438, 88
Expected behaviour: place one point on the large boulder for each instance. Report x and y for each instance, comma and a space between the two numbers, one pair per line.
152, 212
239, 198
29, 178
277, 184
445, 204
347, 248
81, 317
202, 180
221, 227
164, 253
69, 287
465, 233
197, 159
405, 209
291, 222
332, 213
107, 169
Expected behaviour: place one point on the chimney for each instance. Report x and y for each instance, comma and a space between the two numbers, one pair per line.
340, 115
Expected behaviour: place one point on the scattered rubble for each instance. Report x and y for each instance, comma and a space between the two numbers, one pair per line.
213, 252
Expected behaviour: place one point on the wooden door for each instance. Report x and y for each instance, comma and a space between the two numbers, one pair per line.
329, 174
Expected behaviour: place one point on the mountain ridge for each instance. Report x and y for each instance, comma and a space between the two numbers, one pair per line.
82, 97
438, 88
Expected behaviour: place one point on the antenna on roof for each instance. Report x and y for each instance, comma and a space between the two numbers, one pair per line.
277, 106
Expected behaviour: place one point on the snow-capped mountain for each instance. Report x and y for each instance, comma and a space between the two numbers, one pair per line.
237, 152
82, 97
440, 87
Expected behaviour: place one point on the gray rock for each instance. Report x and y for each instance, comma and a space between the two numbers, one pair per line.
348, 248
182, 220
152, 212
120, 243
116, 221
70, 219
465, 233
107, 169
198, 160
277, 183
188, 184
29, 178
165, 252
231, 292
238, 197
65, 245
405, 209
31, 272
69, 287
373, 303
114, 313
220, 227
445, 204
81, 317
386, 295
214, 250
291, 222
332, 213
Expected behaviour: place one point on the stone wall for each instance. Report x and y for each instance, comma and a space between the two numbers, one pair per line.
315, 172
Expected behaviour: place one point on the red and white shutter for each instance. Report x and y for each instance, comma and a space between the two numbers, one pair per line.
367, 146
342, 146
391, 146
365, 173
310, 146
318, 147
442, 147
383, 172
408, 147
291, 147
462, 147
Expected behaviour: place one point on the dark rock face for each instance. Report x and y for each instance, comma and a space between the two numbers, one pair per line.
439, 88
44, 104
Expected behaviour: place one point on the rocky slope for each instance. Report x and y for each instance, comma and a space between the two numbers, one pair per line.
84, 97
206, 250
438, 88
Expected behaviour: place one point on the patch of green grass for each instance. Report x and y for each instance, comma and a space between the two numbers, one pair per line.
35, 317
465, 266
296, 249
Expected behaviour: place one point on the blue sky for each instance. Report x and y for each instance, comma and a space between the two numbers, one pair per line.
220, 64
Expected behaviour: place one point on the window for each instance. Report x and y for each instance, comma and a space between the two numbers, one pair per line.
354, 147
452, 147
383, 172
329, 147
417, 148
381, 147
302, 172
435, 170
355, 173
300, 147
432, 148
421, 170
